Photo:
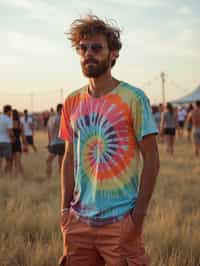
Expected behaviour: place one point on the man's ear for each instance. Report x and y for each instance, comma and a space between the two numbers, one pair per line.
114, 54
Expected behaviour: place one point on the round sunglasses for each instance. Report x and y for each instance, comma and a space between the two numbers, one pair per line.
82, 48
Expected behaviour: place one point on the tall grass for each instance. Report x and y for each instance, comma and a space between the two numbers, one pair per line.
29, 212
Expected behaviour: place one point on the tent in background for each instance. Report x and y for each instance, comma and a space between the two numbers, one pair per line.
190, 98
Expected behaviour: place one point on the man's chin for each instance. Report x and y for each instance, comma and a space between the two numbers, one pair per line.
92, 72
91, 75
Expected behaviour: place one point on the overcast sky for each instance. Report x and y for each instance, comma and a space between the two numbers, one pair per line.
36, 58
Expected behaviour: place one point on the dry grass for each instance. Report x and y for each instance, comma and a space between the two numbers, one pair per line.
29, 213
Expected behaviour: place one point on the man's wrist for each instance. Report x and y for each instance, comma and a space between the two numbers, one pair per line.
137, 218
64, 210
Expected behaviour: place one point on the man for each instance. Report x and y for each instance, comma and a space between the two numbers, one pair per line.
194, 118
6, 134
56, 145
27, 122
106, 124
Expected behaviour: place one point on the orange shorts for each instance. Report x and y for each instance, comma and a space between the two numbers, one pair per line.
109, 245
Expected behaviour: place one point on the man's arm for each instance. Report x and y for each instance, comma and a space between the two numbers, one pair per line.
67, 188
149, 150
67, 176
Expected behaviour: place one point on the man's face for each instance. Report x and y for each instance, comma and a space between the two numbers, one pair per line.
95, 56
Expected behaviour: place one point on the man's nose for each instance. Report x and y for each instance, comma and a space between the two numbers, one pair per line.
89, 51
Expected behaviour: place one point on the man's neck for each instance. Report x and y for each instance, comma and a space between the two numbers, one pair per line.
102, 85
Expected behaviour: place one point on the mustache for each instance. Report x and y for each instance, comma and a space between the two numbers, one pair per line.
90, 60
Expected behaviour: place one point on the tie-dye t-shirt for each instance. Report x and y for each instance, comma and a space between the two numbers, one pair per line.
105, 132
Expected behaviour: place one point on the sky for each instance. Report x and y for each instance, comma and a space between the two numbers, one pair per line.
38, 66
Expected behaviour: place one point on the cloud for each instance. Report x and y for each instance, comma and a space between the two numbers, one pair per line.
184, 10
152, 43
26, 4
20, 43
46, 12
141, 3
38, 10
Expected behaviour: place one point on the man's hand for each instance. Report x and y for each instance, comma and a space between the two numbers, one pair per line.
63, 221
130, 230
138, 221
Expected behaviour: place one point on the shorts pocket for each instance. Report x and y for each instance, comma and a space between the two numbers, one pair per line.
127, 228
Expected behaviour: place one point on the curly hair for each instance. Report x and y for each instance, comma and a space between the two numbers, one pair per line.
92, 25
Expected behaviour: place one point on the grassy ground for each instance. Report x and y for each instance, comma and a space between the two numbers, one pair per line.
29, 212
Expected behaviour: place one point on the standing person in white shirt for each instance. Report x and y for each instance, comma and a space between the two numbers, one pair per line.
6, 134
27, 122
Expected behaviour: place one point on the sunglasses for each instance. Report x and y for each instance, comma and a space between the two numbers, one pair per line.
82, 48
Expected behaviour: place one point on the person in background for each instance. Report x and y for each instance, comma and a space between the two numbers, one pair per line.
6, 135
18, 135
156, 115
189, 123
194, 116
28, 126
56, 146
168, 127
52, 112
46, 115
107, 124
161, 110
181, 116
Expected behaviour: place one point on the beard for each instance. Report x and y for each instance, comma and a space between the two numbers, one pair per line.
92, 68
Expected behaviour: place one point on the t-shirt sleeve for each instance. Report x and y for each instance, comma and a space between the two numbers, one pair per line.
66, 131
144, 123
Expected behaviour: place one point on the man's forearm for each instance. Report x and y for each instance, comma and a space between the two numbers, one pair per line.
147, 184
67, 181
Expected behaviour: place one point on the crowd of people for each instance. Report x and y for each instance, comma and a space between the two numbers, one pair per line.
174, 121
17, 137
17, 132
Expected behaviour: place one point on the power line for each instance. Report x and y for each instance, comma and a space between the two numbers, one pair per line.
149, 82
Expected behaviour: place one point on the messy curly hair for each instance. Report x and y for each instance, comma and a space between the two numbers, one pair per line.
92, 25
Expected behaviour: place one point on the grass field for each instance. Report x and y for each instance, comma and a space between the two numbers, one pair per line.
29, 212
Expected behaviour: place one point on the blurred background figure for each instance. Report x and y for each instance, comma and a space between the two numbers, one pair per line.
194, 116
189, 123
168, 127
161, 110
181, 116
52, 112
18, 135
6, 135
56, 146
28, 126
156, 115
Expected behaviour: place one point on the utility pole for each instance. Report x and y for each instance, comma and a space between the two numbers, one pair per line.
162, 75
